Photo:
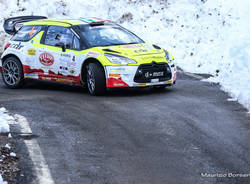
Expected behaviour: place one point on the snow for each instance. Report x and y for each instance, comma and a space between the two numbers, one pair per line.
7, 146
9, 136
1, 180
4, 119
4, 127
205, 36
12, 154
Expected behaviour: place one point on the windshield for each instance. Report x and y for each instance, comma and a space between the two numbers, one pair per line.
107, 35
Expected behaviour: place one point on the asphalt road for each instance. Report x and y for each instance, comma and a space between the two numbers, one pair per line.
132, 136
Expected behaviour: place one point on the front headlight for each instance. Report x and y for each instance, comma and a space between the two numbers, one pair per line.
167, 56
119, 59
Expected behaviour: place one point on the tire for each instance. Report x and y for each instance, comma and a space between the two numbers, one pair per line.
12, 73
96, 80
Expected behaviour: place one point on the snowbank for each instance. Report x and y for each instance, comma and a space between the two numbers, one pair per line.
4, 119
4, 127
204, 36
1, 180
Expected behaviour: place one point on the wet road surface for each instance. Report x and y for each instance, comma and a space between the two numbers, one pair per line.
133, 136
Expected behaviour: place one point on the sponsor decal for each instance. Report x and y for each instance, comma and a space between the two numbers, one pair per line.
140, 50
154, 74
31, 76
131, 46
64, 80
72, 71
31, 52
46, 59
63, 68
157, 57
46, 78
66, 55
94, 54
114, 75
119, 84
17, 46
65, 58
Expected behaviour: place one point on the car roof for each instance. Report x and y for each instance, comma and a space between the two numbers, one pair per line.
66, 22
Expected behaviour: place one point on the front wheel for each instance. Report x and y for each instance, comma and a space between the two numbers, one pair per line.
96, 79
12, 72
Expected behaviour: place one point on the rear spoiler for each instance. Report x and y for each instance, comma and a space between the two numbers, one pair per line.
10, 24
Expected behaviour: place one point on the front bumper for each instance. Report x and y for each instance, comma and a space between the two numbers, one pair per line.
123, 76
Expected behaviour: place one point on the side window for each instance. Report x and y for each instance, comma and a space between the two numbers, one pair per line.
57, 35
26, 33
76, 43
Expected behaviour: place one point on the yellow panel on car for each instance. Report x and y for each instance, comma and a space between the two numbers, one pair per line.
169, 82
141, 84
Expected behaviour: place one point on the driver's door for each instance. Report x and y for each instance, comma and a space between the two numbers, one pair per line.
52, 59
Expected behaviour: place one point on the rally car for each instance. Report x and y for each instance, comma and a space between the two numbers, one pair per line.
86, 51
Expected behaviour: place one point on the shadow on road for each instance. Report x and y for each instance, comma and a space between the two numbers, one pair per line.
126, 92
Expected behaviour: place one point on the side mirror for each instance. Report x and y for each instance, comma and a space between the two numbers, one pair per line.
62, 45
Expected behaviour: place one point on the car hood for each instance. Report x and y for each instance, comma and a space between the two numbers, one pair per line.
132, 50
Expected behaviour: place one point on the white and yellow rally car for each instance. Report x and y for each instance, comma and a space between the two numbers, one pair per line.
91, 51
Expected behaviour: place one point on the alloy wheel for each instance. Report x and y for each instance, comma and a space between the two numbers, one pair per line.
11, 72
90, 80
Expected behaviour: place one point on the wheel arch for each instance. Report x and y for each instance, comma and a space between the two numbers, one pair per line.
10, 55
20, 78
84, 67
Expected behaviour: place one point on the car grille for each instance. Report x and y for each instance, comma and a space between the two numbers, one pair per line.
146, 72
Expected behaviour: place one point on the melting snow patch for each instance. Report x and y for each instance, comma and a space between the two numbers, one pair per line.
1, 180
12, 154
231, 99
4, 119
7, 146
9, 135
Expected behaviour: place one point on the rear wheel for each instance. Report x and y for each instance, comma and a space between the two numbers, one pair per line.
12, 72
96, 80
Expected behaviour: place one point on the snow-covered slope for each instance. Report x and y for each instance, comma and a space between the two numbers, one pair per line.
204, 36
